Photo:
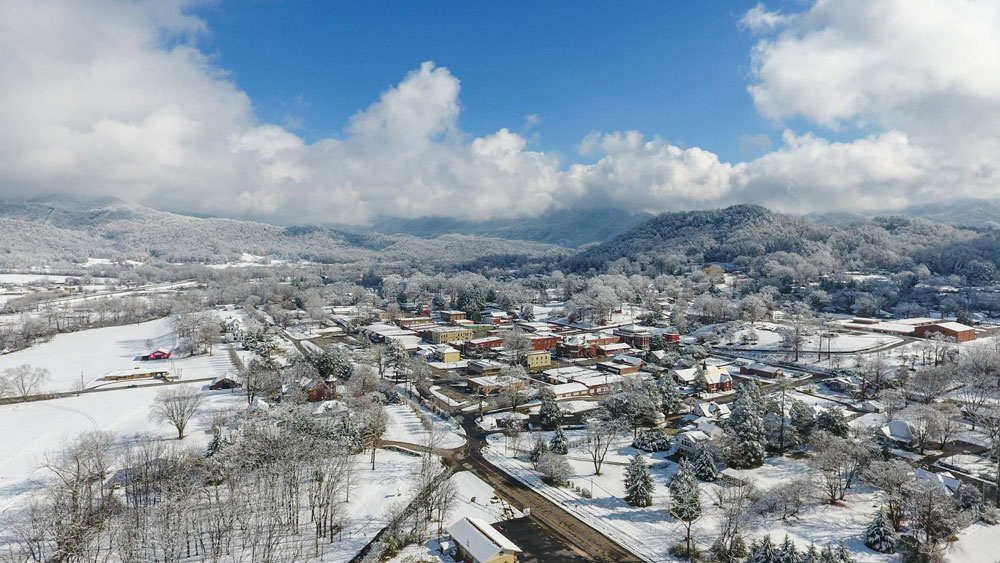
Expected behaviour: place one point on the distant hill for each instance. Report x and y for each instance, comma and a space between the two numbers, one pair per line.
64, 231
570, 228
764, 241
978, 213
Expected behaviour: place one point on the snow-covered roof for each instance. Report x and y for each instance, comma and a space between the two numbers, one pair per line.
568, 388
898, 430
716, 375
944, 479
479, 539
958, 327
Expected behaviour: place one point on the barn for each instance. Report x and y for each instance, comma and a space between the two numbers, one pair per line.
158, 354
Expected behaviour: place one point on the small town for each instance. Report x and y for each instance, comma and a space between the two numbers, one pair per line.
305, 281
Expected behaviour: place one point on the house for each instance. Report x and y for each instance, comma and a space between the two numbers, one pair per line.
689, 442
711, 409
957, 331
897, 432
538, 359
476, 541
450, 316
223, 382
715, 380
158, 354
871, 405
684, 376
945, 480
845, 384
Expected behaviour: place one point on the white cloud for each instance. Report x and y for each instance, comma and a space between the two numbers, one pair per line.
115, 98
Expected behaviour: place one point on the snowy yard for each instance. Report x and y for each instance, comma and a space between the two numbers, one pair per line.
404, 426
651, 531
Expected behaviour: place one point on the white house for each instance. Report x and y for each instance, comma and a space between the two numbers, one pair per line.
477, 541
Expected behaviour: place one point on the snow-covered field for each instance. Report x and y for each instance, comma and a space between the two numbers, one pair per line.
87, 355
44, 426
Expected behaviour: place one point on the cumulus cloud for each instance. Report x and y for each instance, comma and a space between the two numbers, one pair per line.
115, 98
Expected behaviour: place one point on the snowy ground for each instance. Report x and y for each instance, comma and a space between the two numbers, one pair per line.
651, 531
44, 426
405, 426
89, 354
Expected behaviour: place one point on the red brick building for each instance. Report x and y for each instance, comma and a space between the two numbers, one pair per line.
958, 331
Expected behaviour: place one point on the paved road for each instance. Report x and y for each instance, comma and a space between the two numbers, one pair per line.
583, 542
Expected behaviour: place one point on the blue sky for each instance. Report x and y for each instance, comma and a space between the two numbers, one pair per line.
674, 69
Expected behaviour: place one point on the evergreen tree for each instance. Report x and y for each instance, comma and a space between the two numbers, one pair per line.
559, 444
685, 500
802, 419
704, 464
638, 483
841, 555
764, 551
746, 429
538, 449
880, 534
832, 420
733, 552
671, 400
788, 552
812, 555
549, 414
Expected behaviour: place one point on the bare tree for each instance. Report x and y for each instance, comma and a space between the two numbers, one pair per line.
517, 344
176, 405
600, 433
25, 380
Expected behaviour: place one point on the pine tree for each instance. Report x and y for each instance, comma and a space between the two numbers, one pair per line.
880, 535
833, 421
789, 553
671, 400
638, 483
764, 552
550, 414
802, 419
685, 499
812, 555
559, 444
538, 449
841, 554
746, 428
704, 464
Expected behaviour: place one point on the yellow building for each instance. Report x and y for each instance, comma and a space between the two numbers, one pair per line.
539, 359
446, 354
446, 334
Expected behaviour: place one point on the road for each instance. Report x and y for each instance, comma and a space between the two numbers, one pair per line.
587, 543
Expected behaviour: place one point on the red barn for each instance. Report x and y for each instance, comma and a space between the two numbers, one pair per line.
159, 354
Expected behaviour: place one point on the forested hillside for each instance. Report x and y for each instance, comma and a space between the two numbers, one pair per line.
570, 228
775, 245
